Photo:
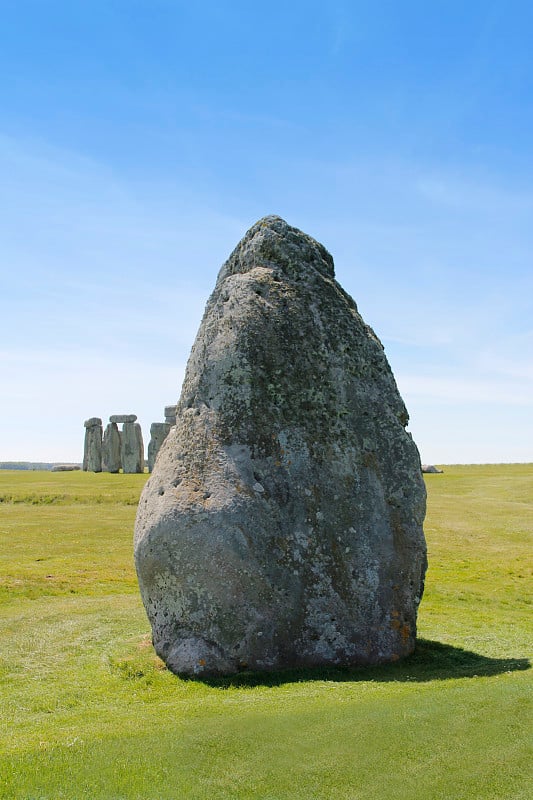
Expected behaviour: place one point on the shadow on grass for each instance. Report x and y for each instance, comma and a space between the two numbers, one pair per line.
431, 661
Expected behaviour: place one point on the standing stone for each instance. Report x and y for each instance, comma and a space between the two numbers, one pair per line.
282, 524
132, 450
111, 447
92, 451
170, 414
158, 434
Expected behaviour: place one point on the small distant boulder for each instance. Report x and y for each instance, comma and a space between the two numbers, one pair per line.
430, 468
65, 467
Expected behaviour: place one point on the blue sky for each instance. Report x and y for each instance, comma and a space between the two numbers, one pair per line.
139, 140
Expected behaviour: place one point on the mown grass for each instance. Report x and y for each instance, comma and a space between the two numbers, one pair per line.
69, 488
88, 711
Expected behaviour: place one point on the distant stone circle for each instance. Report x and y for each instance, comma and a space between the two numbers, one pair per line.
113, 450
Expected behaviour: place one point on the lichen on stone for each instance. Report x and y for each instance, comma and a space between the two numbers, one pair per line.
291, 517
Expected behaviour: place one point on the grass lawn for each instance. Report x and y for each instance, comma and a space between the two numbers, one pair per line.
88, 711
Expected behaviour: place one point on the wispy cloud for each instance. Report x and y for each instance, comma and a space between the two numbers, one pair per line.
69, 216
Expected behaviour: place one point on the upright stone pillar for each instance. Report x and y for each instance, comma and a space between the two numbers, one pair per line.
111, 446
158, 434
132, 449
170, 415
92, 451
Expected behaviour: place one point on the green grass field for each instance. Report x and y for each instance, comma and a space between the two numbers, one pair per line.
88, 711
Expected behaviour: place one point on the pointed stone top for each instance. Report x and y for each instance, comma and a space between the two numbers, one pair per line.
273, 243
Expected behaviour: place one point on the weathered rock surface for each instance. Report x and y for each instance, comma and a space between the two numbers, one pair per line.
132, 448
431, 469
170, 414
65, 467
158, 434
92, 422
282, 524
111, 448
92, 450
120, 418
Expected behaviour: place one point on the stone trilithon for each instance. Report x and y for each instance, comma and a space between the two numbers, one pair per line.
282, 525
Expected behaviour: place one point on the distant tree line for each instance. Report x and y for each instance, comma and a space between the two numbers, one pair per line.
39, 465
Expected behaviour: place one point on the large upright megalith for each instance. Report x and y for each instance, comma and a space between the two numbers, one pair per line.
158, 433
111, 448
92, 450
170, 414
132, 447
282, 524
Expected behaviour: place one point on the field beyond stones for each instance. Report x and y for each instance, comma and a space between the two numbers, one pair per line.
88, 711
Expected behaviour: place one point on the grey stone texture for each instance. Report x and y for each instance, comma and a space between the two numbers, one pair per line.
92, 422
282, 524
431, 469
170, 411
111, 448
120, 418
132, 448
158, 433
92, 450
